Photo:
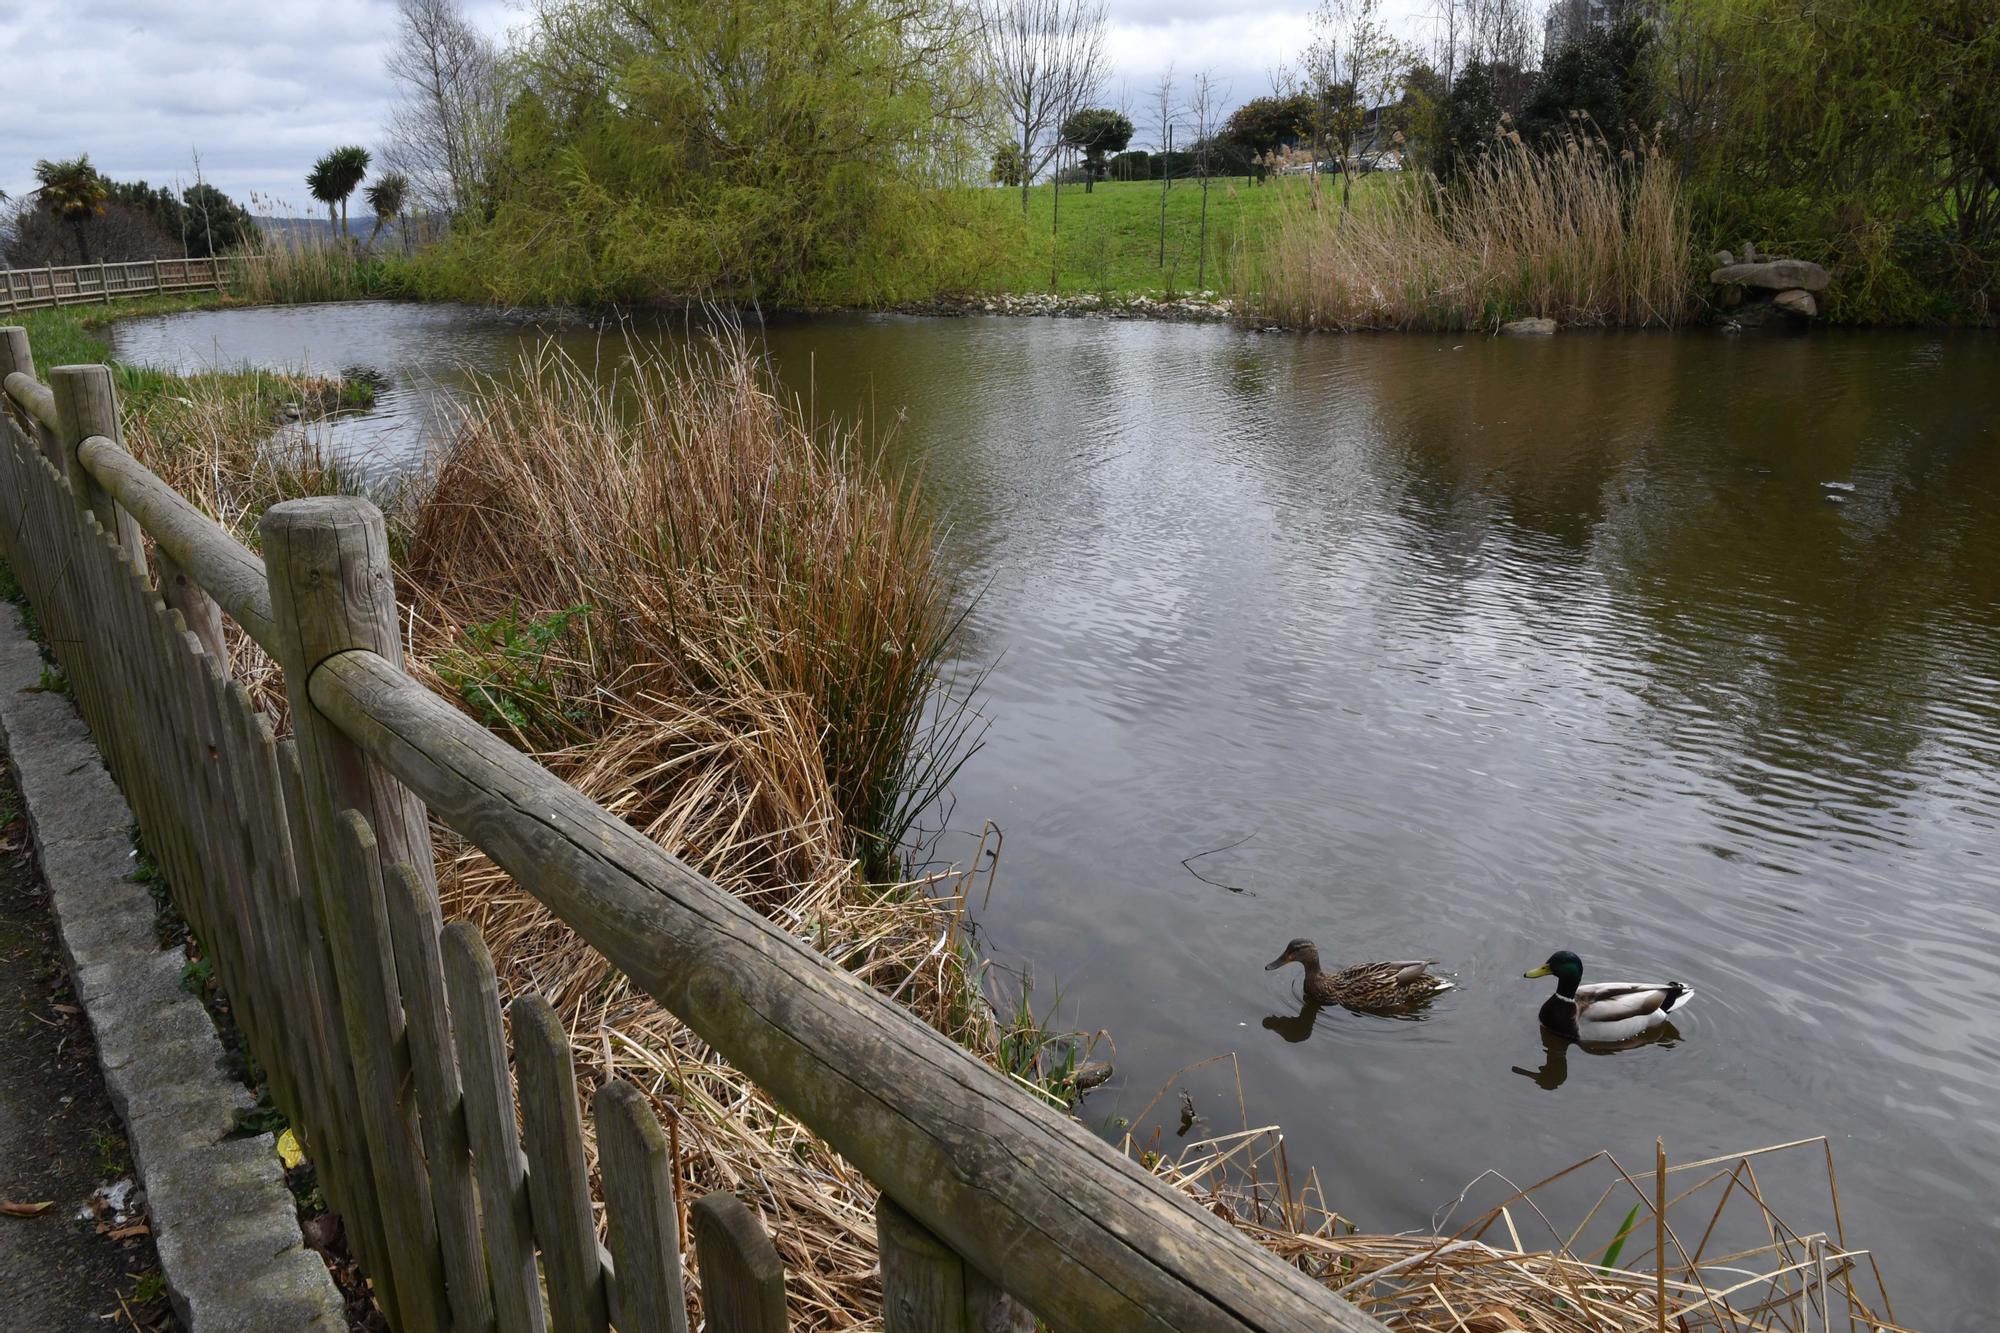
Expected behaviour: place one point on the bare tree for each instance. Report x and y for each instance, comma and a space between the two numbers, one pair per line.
1044, 59
1163, 105
1354, 60
443, 133
1207, 111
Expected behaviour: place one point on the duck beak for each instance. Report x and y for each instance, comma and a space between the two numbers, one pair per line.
1279, 962
1541, 971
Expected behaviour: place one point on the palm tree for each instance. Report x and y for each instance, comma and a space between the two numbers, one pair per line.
386, 197
349, 164
323, 182
74, 192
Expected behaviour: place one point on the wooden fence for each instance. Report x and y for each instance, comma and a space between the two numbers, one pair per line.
305, 866
89, 284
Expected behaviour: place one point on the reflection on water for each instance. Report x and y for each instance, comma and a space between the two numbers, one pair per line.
1680, 652
1554, 1069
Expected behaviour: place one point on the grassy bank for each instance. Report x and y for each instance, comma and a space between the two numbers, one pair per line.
215, 432
1110, 239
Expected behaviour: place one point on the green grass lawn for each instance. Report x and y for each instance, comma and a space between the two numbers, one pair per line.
1109, 241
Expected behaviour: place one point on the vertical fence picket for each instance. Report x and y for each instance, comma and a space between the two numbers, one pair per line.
427, 1019
742, 1278
473, 993
558, 1177
927, 1286
340, 1148
374, 1022
639, 1205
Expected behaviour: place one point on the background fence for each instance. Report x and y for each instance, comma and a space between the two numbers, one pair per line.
304, 864
85, 284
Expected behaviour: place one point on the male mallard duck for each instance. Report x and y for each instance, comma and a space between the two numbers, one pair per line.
1604, 1010
1365, 985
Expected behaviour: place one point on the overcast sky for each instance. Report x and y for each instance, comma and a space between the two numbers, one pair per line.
262, 87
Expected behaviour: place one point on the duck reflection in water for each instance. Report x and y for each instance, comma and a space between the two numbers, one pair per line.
1298, 1027
1556, 1049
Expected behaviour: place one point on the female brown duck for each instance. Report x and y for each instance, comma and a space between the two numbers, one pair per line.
1365, 985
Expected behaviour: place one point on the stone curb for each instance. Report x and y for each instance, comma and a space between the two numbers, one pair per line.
224, 1223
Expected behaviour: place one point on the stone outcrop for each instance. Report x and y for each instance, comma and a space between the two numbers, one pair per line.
1777, 275
1756, 289
1797, 301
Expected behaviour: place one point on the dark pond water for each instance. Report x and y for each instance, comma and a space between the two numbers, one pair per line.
1680, 652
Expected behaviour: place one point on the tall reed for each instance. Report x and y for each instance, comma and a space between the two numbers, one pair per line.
290, 271
1577, 232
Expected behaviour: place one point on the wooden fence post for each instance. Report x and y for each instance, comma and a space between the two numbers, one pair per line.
14, 351
87, 405
327, 562
927, 1286
742, 1278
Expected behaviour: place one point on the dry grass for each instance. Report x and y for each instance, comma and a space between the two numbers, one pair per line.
1737, 1258
1580, 234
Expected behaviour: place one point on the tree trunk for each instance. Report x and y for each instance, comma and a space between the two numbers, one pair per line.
1027, 172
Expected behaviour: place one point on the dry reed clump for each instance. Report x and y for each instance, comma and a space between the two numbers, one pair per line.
1578, 233
679, 560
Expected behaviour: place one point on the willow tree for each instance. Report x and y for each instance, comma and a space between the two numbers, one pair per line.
1868, 138
753, 151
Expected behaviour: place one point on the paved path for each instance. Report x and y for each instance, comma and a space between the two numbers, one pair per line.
59, 1137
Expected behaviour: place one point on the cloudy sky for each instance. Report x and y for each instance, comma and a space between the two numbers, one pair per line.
261, 87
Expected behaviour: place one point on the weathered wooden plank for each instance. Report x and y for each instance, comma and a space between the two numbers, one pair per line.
742, 1279
197, 608
1040, 1205
486, 1091
558, 1175
634, 1164
427, 1020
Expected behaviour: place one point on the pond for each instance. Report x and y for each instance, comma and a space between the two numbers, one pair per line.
1682, 652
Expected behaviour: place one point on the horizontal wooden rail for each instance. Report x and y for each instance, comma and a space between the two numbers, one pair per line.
1044, 1208
231, 574
35, 398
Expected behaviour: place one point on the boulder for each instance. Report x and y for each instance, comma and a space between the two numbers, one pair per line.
1529, 328
1774, 275
1723, 259
1797, 301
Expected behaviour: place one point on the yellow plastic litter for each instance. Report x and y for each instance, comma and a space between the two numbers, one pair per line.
289, 1152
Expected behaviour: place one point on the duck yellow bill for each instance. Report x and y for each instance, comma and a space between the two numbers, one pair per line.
1541, 971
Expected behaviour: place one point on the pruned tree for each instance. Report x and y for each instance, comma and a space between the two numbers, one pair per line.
1044, 60
443, 134
1096, 132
